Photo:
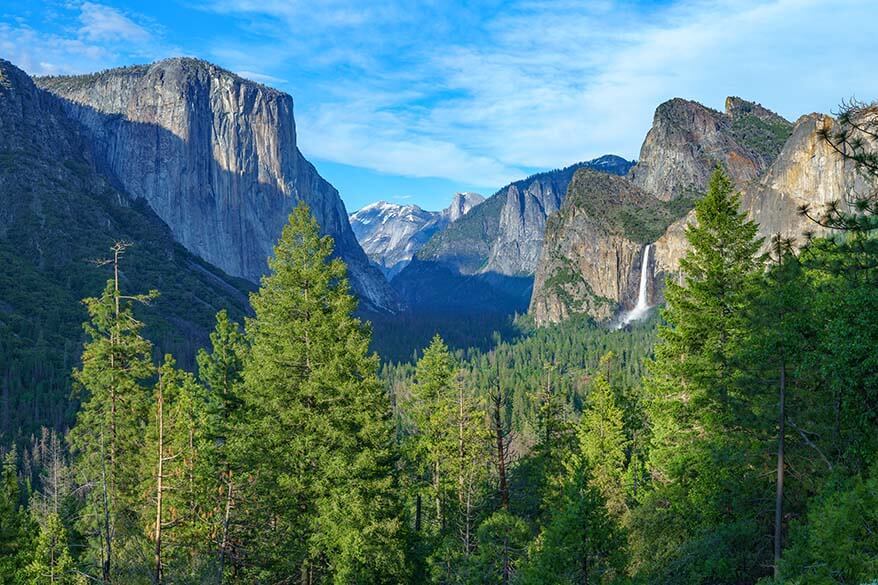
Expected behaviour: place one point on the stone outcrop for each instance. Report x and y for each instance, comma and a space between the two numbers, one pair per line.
215, 156
591, 255
461, 204
391, 234
808, 172
687, 140
59, 214
496, 247
590, 263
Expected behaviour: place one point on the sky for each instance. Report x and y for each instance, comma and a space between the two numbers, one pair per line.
411, 101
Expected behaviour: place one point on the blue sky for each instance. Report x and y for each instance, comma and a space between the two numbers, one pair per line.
411, 101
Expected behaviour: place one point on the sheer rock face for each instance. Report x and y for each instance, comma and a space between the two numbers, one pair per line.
461, 204
807, 172
215, 156
391, 234
669, 249
59, 214
588, 268
687, 140
589, 265
522, 225
527, 207
493, 251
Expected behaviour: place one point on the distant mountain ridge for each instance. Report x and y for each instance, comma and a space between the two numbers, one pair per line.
391, 233
494, 249
216, 157
591, 262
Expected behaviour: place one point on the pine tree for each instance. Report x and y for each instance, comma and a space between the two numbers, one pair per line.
502, 538
432, 445
220, 371
319, 441
700, 454
603, 444
473, 449
774, 352
52, 562
555, 439
108, 435
16, 529
581, 543
180, 514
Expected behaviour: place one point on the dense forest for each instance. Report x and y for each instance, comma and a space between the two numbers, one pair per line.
729, 439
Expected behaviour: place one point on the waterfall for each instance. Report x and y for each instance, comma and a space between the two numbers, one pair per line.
642, 307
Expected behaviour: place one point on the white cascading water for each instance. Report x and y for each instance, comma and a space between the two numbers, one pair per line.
642, 307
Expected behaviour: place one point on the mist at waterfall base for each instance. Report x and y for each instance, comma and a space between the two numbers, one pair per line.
641, 309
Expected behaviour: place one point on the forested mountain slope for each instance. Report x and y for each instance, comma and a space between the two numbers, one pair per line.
58, 216
216, 157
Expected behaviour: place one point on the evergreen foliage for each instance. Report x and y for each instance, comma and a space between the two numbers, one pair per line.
747, 454
317, 434
16, 529
107, 439
52, 562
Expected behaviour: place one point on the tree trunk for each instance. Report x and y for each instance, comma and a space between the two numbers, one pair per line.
778, 506
224, 542
436, 486
159, 476
461, 451
500, 439
107, 549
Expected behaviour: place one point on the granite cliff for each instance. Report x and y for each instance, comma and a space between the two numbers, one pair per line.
58, 214
807, 172
591, 262
493, 251
687, 140
591, 259
215, 156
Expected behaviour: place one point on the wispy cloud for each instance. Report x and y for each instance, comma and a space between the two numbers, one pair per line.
261, 77
485, 92
103, 23
483, 96
91, 37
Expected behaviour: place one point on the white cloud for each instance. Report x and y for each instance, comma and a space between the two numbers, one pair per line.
479, 95
103, 23
49, 54
544, 84
81, 37
260, 77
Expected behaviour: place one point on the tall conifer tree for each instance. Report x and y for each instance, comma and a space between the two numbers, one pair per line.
699, 455
220, 371
108, 435
319, 439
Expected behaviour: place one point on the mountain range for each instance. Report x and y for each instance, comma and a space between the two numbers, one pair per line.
197, 169
485, 261
391, 233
